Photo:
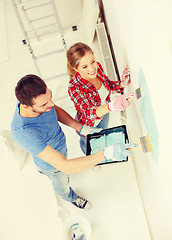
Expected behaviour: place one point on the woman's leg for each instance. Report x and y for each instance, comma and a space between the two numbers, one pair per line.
103, 124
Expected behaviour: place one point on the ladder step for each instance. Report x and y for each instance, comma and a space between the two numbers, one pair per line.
63, 98
42, 28
37, 6
40, 18
56, 76
27, 3
50, 53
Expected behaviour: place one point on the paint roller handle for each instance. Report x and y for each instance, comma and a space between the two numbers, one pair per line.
131, 146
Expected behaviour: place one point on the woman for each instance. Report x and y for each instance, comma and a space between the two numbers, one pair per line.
90, 89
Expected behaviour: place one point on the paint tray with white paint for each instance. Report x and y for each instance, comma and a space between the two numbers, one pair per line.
98, 141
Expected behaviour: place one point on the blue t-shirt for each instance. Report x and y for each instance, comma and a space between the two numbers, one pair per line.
34, 134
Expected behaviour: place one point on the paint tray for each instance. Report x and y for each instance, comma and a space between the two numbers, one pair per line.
98, 141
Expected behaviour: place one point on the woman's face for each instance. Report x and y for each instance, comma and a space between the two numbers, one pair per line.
87, 67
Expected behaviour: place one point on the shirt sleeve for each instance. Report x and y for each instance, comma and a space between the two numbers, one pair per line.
30, 140
83, 103
113, 85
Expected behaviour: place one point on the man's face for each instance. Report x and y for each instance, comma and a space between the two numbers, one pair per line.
42, 103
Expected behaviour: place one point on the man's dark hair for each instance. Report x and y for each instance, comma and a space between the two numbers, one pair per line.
29, 87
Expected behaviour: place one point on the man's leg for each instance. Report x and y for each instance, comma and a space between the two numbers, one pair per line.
61, 185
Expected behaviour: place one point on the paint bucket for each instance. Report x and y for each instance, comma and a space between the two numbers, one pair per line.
83, 223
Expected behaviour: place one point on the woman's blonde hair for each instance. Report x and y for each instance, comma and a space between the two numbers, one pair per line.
74, 55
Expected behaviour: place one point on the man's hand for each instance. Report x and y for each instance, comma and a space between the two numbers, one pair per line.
118, 151
85, 130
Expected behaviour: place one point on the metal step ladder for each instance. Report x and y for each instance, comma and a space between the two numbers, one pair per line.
43, 34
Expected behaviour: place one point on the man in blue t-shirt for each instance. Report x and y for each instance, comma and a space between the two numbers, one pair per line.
36, 128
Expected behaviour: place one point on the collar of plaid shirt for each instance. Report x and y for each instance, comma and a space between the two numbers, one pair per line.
87, 85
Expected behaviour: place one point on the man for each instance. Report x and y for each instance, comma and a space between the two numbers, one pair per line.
35, 127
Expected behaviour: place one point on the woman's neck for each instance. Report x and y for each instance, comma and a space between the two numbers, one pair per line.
96, 82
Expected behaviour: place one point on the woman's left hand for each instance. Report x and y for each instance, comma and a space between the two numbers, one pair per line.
126, 80
85, 130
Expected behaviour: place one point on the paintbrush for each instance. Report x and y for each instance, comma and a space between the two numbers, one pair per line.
135, 95
138, 93
144, 144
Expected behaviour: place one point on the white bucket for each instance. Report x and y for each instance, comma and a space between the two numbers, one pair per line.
84, 224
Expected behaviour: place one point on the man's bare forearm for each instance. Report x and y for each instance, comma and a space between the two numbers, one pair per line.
66, 119
69, 166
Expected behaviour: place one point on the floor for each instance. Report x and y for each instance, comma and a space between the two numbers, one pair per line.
29, 208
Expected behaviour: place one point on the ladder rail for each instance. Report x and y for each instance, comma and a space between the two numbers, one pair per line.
59, 24
28, 20
20, 21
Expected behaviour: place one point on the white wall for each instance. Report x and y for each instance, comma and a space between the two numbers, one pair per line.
141, 33
90, 14
3, 33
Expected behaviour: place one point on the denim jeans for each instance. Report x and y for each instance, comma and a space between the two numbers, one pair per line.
103, 124
61, 185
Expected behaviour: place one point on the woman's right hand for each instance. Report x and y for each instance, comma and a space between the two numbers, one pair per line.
120, 103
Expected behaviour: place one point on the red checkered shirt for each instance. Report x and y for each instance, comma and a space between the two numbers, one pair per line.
86, 98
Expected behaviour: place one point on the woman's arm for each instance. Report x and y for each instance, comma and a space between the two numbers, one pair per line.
102, 110
83, 103
66, 119
120, 103
114, 85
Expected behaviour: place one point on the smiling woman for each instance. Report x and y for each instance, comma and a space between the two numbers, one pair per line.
90, 89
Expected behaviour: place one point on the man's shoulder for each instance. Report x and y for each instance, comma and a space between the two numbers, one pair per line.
29, 138
16, 118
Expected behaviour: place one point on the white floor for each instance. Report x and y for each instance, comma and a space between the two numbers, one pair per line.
29, 208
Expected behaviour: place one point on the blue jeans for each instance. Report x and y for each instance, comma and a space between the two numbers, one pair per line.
103, 124
61, 185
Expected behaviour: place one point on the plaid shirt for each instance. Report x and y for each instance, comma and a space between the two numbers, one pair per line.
86, 98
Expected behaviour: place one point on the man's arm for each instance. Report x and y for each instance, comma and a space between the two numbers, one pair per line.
69, 166
66, 119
